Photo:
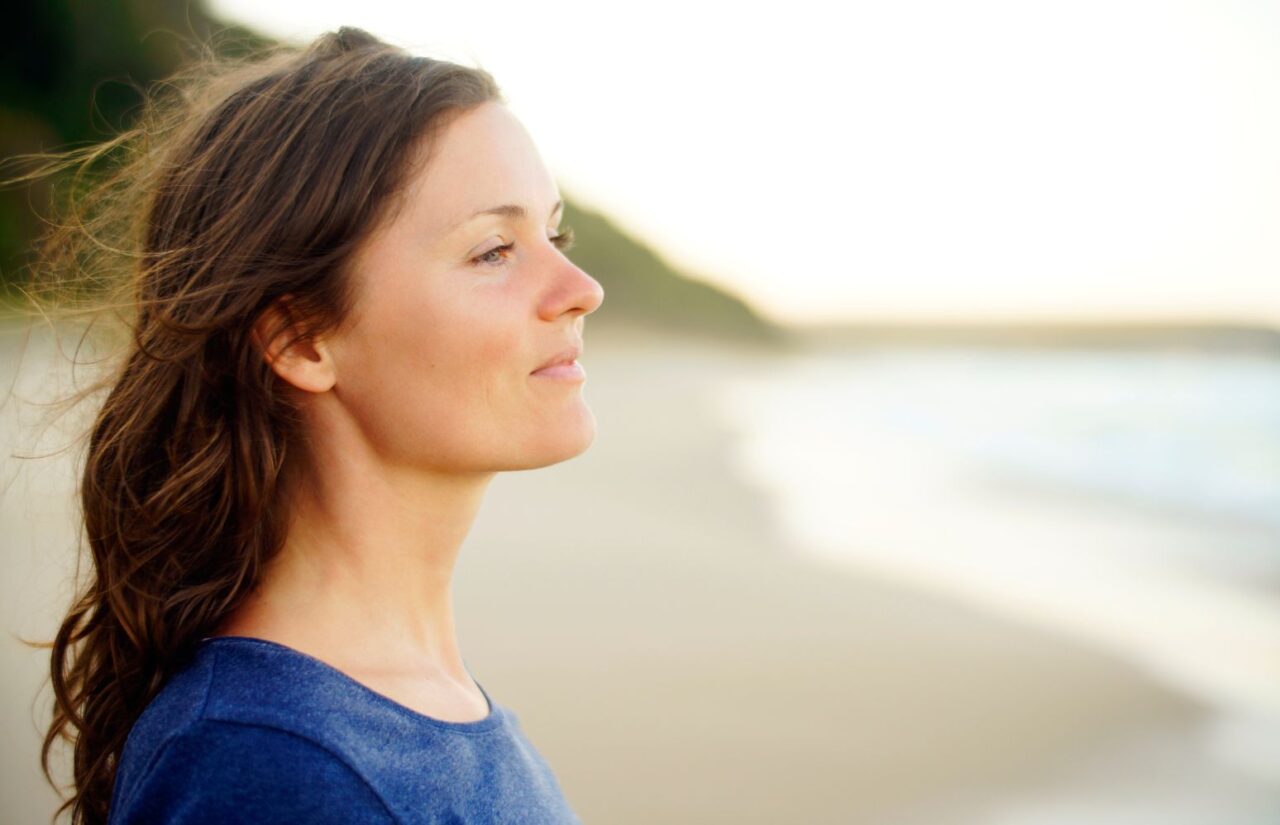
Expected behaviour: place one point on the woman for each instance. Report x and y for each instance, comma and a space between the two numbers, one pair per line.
352, 309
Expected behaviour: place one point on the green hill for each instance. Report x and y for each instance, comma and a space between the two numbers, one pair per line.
641, 288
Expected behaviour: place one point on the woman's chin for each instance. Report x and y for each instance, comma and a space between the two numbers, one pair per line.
568, 439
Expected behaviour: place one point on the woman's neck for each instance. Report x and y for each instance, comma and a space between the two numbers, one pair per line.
364, 578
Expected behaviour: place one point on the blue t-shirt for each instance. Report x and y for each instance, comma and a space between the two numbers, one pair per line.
255, 731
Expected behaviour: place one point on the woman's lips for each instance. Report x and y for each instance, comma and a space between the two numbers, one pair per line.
565, 371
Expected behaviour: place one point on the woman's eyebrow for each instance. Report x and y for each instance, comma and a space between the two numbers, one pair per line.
511, 210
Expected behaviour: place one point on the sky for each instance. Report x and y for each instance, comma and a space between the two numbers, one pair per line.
916, 160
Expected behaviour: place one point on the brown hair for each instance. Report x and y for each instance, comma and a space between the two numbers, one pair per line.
245, 184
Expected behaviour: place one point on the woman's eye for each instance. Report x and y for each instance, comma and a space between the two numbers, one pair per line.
564, 240
487, 257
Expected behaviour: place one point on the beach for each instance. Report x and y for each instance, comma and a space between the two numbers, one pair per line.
677, 657
679, 660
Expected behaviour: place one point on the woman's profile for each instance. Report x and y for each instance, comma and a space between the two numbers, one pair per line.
349, 308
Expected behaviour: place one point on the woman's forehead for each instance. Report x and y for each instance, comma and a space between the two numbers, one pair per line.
484, 159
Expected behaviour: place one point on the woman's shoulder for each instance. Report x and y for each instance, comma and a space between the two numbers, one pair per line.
254, 682
218, 771
262, 724
240, 691
217, 744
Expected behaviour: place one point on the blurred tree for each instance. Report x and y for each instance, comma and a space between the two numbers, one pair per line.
73, 72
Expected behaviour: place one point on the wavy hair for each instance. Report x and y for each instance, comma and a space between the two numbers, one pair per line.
245, 184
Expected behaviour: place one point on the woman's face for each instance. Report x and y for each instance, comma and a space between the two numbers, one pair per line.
457, 306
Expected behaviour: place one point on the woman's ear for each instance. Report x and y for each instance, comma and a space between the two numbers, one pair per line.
306, 363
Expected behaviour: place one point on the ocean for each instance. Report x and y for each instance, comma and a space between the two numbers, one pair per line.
1126, 498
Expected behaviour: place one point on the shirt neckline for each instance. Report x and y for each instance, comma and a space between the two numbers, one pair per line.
491, 720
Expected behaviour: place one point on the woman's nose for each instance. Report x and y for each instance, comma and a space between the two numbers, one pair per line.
574, 291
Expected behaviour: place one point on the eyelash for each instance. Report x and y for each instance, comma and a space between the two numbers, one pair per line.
563, 242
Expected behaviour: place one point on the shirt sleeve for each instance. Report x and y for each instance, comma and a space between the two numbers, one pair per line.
224, 772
